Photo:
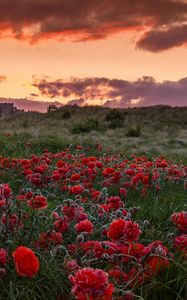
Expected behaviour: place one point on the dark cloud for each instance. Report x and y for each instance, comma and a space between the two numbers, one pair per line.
157, 40
114, 92
78, 102
33, 95
82, 20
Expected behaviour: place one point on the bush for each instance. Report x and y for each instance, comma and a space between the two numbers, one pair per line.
85, 126
25, 123
51, 108
115, 124
66, 114
134, 132
115, 115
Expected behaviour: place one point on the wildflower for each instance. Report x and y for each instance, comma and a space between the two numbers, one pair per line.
115, 202
84, 226
157, 264
180, 244
180, 220
38, 202
26, 262
61, 225
71, 266
5, 191
77, 189
156, 258
75, 177
89, 283
108, 172
3, 256
124, 230
47, 239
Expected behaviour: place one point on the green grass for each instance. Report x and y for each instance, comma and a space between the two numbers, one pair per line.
163, 129
163, 132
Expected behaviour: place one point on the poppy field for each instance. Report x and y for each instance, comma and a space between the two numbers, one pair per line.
88, 224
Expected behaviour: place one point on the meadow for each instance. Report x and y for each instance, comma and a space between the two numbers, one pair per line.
93, 204
157, 129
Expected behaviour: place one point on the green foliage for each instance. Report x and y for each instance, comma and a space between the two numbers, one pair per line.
66, 114
115, 118
115, 115
115, 124
134, 132
85, 126
25, 123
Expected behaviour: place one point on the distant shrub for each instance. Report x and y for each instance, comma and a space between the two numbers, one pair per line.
115, 114
52, 108
85, 126
66, 114
25, 123
115, 124
134, 132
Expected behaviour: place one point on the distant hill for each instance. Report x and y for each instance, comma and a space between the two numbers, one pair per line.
41, 106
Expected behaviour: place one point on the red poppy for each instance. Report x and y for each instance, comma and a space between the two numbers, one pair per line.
49, 238
89, 283
108, 172
26, 262
38, 202
156, 264
84, 226
5, 191
124, 230
75, 177
77, 189
3, 256
180, 244
180, 220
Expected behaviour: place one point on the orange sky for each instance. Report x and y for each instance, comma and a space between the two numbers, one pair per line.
114, 57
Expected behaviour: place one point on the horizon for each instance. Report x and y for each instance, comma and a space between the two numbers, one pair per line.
130, 54
32, 106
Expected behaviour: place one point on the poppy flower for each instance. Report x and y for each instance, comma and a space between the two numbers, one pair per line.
124, 230
108, 172
89, 283
38, 202
180, 220
84, 226
77, 189
26, 262
48, 239
180, 244
75, 177
3, 256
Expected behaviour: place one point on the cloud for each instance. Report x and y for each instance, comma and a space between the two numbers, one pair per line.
2, 78
157, 40
78, 102
116, 93
83, 20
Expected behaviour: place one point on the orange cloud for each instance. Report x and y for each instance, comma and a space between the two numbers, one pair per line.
145, 91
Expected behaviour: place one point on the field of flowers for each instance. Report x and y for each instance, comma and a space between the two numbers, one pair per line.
92, 225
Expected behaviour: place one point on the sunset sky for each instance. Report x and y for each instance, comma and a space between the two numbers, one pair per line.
116, 53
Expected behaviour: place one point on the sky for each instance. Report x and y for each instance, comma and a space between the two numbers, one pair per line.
120, 53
